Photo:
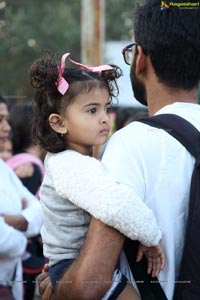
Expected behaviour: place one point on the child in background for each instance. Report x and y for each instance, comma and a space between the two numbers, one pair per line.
27, 158
71, 115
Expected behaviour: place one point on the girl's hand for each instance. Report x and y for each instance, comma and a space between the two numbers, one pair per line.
155, 256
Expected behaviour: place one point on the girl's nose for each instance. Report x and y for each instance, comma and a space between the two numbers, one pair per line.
105, 118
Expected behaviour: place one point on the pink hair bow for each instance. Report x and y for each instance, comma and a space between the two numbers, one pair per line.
97, 69
62, 84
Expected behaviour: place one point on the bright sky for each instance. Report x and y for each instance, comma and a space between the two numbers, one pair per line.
113, 55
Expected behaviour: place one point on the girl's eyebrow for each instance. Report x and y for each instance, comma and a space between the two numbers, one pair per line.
95, 103
91, 103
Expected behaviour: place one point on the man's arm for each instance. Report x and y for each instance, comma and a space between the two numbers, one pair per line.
89, 277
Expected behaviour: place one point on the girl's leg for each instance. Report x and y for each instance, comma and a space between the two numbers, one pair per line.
121, 288
129, 293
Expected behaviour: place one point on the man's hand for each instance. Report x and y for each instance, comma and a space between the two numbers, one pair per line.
44, 284
155, 256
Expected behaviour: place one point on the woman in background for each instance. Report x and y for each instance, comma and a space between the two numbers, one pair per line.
27, 164
20, 218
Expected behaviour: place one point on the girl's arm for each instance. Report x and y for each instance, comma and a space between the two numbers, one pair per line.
83, 181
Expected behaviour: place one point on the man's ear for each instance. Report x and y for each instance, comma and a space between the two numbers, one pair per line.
140, 62
57, 123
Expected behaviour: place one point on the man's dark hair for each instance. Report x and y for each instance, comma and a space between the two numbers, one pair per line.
171, 37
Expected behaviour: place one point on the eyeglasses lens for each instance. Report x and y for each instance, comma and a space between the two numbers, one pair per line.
128, 55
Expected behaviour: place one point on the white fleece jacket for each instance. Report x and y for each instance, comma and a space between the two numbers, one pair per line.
75, 185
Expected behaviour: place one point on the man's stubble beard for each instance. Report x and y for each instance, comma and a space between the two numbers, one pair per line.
137, 86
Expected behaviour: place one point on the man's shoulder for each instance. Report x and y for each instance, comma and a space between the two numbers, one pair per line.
134, 131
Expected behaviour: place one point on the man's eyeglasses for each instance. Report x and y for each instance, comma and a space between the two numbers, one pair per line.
128, 54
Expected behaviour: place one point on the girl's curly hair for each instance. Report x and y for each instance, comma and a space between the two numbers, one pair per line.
43, 76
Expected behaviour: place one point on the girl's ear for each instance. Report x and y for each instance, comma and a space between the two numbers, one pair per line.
57, 123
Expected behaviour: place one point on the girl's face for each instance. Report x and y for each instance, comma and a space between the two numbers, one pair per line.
87, 120
4, 125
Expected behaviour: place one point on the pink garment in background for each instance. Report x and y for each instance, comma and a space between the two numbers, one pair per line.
20, 159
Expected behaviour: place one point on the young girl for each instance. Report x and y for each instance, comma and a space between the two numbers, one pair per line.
71, 115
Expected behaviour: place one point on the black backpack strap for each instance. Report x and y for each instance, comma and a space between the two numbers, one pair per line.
179, 128
148, 286
189, 137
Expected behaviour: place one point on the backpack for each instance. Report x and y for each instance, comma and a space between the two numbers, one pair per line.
187, 287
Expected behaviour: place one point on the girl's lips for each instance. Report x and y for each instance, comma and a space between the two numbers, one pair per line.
105, 131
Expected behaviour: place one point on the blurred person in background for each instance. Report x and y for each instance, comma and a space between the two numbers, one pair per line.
27, 163
25, 153
127, 114
6, 151
20, 218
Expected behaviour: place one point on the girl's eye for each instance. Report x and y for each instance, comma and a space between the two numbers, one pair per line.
92, 110
108, 109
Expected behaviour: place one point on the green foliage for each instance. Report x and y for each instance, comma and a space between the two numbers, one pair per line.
28, 29
119, 19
